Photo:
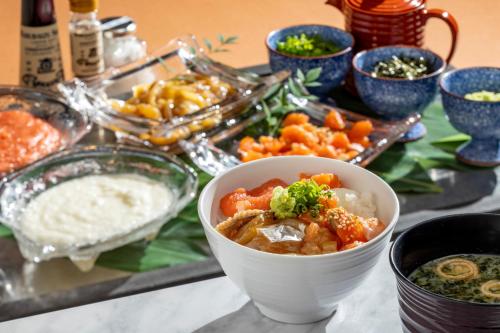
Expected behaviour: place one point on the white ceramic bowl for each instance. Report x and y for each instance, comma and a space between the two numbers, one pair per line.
288, 288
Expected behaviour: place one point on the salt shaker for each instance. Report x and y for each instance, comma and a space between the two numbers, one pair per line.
121, 45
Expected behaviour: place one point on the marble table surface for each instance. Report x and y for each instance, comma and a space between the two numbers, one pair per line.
217, 305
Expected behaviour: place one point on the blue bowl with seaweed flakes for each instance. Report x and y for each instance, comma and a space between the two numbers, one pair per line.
479, 119
334, 66
397, 98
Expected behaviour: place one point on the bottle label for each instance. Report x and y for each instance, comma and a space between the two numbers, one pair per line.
87, 54
41, 65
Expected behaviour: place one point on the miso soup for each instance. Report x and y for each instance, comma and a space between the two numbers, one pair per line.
467, 277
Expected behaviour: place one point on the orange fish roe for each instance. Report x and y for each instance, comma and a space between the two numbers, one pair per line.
300, 137
24, 139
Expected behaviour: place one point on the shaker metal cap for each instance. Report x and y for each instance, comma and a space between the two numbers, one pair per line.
116, 26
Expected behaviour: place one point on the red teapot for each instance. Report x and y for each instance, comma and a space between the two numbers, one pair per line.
376, 23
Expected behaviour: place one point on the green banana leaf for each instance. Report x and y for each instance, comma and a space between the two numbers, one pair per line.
4, 231
405, 166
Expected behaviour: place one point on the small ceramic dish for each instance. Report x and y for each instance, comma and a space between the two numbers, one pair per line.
481, 120
334, 66
393, 98
71, 123
23, 186
179, 57
294, 288
423, 311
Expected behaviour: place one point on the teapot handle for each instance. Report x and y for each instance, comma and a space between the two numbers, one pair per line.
452, 24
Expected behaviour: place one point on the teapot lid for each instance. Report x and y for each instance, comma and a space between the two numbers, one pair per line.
385, 6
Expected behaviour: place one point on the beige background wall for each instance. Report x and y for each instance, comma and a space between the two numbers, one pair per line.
160, 20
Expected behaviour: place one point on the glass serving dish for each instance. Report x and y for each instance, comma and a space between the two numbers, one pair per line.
218, 151
71, 123
180, 57
23, 186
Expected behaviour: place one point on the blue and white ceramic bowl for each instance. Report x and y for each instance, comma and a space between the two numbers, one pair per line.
481, 120
397, 98
334, 66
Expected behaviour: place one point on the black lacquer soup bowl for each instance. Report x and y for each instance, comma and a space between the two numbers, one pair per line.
423, 311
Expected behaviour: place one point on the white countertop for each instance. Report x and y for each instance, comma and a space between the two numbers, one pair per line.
217, 305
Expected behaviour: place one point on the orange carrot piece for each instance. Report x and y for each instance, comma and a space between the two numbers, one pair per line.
340, 140
327, 151
271, 145
295, 119
360, 129
248, 144
297, 134
334, 121
299, 149
247, 156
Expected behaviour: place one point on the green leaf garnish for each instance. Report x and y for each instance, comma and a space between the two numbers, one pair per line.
275, 103
312, 75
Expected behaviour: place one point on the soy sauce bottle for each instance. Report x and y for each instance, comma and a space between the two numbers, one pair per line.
41, 64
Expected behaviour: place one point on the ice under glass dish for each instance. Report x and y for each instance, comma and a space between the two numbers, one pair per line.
181, 57
25, 185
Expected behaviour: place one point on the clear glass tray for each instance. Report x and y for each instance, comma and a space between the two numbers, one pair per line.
179, 56
218, 151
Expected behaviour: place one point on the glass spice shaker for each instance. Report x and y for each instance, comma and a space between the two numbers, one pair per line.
86, 39
121, 45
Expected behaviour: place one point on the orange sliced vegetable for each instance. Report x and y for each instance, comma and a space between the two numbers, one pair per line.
295, 119
271, 145
299, 149
340, 140
334, 121
297, 134
251, 155
361, 129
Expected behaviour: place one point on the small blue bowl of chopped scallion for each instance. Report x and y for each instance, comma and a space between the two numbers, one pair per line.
307, 47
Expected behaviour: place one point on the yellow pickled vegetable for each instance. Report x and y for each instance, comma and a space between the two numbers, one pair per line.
149, 111
183, 95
